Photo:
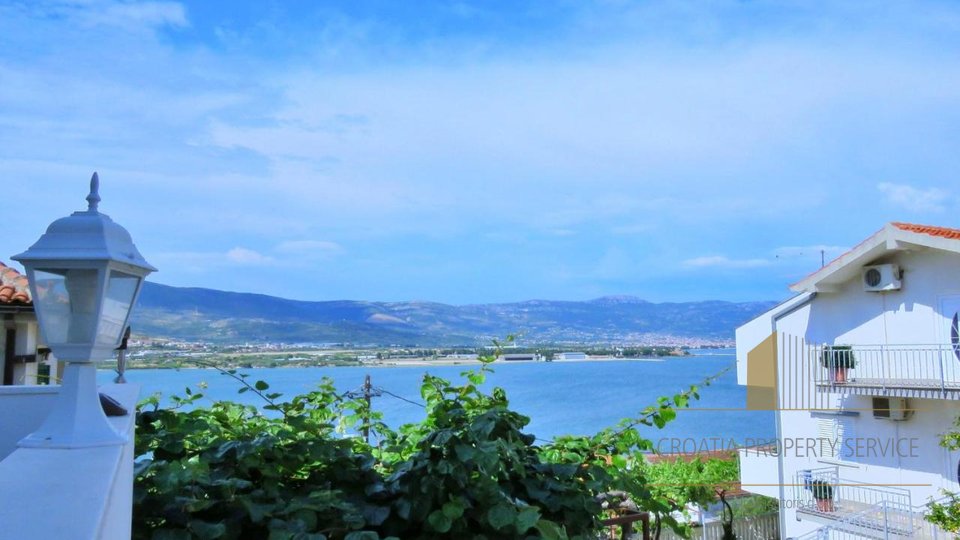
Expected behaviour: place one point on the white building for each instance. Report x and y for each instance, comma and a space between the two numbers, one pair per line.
23, 359
519, 357
863, 440
570, 356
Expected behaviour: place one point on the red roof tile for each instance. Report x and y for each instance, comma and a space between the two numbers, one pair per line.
14, 287
721, 454
943, 232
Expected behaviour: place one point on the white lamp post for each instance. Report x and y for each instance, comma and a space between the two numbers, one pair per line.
85, 275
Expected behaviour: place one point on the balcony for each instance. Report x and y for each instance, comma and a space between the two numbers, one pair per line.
856, 510
918, 371
821, 495
870, 524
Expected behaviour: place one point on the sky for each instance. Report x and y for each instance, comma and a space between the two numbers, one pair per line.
473, 152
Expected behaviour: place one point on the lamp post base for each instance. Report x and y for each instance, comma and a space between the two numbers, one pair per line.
77, 419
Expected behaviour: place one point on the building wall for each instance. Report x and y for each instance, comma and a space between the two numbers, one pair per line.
748, 337
24, 409
911, 316
26, 341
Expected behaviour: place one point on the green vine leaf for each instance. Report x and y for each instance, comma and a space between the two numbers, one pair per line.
439, 521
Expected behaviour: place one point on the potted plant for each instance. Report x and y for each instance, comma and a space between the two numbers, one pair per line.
838, 359
823, 494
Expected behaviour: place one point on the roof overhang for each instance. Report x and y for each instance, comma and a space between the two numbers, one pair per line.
887, 240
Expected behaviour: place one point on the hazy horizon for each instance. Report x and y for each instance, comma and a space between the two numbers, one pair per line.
427, 300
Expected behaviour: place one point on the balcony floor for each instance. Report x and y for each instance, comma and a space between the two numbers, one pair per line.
899, 525
917, 388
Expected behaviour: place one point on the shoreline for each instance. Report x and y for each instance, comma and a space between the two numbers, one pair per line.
466, 362
413, 362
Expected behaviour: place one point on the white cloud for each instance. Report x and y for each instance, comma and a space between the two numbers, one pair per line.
658, 147
143, 13
246, 256
914, 199
196, 260
122, 15
201, 262
721, 261
788, 255
288, 254
308, 247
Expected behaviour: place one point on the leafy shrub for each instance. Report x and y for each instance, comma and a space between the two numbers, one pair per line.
468, 470
838, 356
821, 490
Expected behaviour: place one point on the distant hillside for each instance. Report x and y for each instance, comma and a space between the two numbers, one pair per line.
219, 316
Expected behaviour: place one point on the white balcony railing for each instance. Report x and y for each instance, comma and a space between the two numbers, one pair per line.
881, 521
921, 370
823, 494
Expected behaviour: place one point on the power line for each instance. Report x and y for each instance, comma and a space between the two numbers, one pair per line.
401, 398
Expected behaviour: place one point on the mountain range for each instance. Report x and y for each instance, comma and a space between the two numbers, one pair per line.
198, 314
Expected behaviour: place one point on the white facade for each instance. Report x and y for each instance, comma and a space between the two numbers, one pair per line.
901, 341
570, 356
21, 360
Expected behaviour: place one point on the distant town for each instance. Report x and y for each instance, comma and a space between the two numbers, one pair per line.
145, 352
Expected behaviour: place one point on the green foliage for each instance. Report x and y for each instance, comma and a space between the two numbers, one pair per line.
692, 481
838, 356
228, 471
682, 482
822, 490
468, 470
951, 439
756, 505
946, 514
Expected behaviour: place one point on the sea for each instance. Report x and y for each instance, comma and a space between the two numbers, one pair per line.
572, 397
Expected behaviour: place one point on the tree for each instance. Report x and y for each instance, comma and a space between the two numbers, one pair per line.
695, 481
946, 514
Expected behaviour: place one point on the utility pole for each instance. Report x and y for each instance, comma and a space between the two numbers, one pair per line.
122, 358
822, 260
366, 392
367, 396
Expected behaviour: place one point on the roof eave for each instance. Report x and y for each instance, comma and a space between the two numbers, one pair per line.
814, 283
889, 238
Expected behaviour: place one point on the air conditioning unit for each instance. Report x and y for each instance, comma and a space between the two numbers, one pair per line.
881, 277
891, 408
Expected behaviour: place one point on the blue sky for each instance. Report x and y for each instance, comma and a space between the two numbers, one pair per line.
470, 152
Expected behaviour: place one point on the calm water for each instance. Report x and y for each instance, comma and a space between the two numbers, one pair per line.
560, 398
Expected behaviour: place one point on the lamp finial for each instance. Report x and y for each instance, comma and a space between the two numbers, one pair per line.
93, 199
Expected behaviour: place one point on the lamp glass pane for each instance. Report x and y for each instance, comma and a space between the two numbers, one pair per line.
121, 288
67, 302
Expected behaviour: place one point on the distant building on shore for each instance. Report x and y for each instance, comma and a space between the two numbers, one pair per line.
520, 357
559, 357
